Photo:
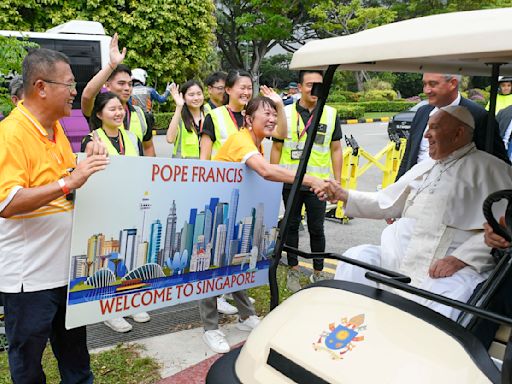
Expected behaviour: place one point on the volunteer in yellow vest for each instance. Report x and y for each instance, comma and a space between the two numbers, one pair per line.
504, 97
326, 157
223, 121
188, 119
245, 146
216, 84
117, 78
107, 121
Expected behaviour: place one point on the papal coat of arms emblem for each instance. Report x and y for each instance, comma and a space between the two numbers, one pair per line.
341, 338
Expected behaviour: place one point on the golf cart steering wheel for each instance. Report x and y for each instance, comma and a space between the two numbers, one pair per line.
505, 232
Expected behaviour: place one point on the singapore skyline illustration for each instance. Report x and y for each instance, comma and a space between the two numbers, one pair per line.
157, 253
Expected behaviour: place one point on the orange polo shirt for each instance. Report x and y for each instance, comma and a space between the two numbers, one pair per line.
34, 246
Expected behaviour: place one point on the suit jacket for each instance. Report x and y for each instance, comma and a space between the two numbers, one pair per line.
419, 123
504, 117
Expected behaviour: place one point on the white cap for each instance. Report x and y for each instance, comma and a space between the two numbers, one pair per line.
139, 74
460, 113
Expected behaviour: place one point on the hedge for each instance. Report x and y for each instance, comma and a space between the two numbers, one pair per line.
345, 110
349, 111
385, 106
162, 119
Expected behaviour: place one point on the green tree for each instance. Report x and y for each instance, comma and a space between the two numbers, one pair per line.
12, 52
247, 30
169, 38
408, 9
337, 18
275, 72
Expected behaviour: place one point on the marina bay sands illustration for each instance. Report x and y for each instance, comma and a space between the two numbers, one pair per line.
158, 252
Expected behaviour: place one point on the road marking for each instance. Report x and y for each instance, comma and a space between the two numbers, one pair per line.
310, 267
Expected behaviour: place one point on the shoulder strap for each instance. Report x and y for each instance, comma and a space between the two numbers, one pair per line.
142, 119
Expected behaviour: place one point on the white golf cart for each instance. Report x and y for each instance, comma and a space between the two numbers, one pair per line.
341, 332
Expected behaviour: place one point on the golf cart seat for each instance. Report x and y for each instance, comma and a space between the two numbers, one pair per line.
343, 332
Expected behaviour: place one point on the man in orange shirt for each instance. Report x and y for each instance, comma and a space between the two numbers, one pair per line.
36, 219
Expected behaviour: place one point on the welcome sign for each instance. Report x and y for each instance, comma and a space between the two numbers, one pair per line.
155, 232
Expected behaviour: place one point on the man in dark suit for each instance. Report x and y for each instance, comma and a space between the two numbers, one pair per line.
443, 90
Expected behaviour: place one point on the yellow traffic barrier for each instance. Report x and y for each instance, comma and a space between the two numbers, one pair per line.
350, 171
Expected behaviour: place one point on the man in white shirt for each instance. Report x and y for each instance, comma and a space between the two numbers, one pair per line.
443, 90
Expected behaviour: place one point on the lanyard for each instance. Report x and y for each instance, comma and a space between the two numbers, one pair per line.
198, 127
233, 117
121, 146
306, 127
128, 117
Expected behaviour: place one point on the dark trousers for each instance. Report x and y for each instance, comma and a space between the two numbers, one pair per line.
315, 212
31, 318
501, 303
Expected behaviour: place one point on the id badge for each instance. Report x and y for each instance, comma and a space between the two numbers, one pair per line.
296, 154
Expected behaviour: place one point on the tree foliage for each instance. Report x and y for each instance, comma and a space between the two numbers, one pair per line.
408, 9
275, 72
169, 38
12, 53
337, 18
253, 27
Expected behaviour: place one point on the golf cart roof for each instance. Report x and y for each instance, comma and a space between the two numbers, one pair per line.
458, 43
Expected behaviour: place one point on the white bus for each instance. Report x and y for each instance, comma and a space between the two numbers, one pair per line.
87, 46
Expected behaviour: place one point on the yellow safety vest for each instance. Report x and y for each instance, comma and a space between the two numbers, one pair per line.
138, 124
319, 164
502, 101
131, 148
186, 145
207, 108
224, 126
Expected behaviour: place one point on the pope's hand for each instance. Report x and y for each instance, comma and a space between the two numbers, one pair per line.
445, 267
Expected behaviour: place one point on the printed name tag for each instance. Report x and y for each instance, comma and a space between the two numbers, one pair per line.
296, 154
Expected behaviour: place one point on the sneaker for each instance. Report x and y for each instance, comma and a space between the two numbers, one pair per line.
317, 276
224, 307
216, 340
119, 325
292, 280
229, 296
142, 317
248, 324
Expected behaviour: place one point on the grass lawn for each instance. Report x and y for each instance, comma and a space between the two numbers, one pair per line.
121, 364
262, 293
376, 115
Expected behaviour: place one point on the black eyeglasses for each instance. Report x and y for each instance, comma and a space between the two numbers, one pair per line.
71, 86
218, 87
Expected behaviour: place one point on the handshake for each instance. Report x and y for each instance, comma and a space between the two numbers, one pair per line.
329, 190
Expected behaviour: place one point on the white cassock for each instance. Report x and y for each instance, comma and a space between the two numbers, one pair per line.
439, 204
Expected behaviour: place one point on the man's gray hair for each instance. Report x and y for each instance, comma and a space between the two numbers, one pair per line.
16, 86
448, 77
39, 64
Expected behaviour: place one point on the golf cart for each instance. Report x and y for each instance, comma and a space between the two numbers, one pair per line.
342, 332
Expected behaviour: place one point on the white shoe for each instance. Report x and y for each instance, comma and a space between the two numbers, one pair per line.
119, 325
142, 317
248, 324
229, 296
224, 307
216, 340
